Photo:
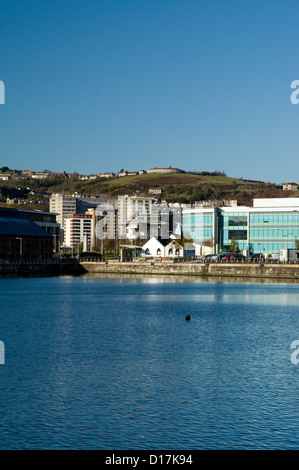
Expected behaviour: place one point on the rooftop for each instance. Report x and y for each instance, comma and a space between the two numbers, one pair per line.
14, 222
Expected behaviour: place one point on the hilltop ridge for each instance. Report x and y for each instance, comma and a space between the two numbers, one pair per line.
182, 187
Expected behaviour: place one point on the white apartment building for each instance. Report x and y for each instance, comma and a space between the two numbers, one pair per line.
105, 218
133, 212
78, 229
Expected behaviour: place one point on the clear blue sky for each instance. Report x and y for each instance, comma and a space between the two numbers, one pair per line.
100, 85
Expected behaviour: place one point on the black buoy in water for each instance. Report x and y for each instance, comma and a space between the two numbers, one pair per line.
187, 317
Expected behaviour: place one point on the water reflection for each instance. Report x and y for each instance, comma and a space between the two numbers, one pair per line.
108, 362
155, 279
279, 299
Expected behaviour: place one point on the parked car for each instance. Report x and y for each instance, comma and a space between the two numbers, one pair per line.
227, 257
211, 257
239, 256
222, 255
257, 256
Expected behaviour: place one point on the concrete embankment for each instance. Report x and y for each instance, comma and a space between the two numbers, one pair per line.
256, 270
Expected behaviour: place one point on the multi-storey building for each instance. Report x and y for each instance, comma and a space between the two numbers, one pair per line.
267, 227
133, 214
63, 206
105, 221
273, 225
78, 229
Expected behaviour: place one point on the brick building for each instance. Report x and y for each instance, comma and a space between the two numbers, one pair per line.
21, 238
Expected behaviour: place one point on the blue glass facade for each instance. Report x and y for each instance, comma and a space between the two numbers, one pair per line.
232, 226
271, 231
198, 226
254, 230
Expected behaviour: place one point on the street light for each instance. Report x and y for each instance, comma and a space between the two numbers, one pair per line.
54, 242
21, 243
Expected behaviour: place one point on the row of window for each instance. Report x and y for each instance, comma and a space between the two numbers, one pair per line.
197, 219
199, 235
158, 252
269, 247
261, 217
274, 233
275, 218
237, 234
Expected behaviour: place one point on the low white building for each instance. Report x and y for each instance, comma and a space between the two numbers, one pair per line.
39, 176
105, 175
4, 177
160, 248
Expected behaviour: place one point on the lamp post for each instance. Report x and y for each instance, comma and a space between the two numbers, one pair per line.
21, 244
54, 242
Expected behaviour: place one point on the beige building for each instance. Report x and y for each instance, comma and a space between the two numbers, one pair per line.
165, 170
290, 186
63, 206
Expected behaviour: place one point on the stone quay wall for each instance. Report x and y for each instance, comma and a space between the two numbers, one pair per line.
254, 270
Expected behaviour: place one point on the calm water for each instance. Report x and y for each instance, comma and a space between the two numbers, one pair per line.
104, 363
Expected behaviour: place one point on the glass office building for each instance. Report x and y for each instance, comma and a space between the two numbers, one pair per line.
267, 227
271, 231
232, 227
198, 225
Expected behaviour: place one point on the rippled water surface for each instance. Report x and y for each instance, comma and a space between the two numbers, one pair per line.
111, 363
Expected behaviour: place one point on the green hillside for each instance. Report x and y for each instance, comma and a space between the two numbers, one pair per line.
180, 187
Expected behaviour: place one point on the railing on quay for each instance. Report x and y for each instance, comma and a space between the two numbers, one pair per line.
251, 261
35, 261
188, 260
